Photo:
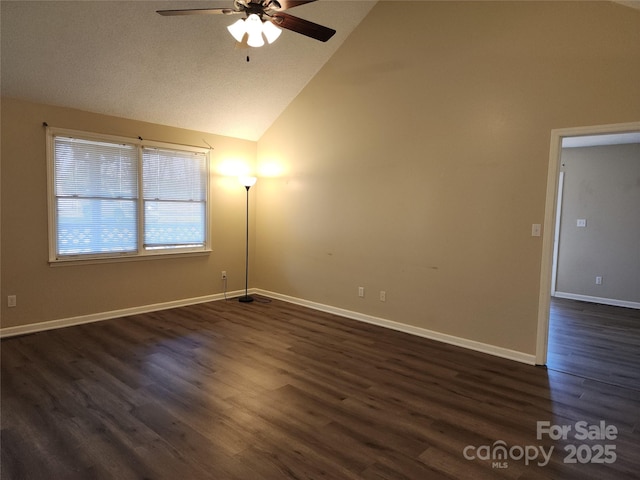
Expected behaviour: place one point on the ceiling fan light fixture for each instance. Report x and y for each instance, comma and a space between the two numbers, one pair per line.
253, 27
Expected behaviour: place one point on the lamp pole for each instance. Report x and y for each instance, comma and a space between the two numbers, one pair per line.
248, 182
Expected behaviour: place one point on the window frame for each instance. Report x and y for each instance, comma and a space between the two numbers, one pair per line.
141, 252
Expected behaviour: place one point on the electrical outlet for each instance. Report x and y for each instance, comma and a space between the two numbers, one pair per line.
361, 292
598, 280
12, 301
223, 275
383, 296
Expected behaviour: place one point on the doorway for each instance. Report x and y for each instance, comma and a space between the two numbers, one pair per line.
551, 221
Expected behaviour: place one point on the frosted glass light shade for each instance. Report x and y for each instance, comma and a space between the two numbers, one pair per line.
237, 30
271, 31
253, 24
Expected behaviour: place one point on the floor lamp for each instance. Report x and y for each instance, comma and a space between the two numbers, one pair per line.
248, 182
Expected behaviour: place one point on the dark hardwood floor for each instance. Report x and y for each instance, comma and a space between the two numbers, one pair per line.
270, 390
595, 341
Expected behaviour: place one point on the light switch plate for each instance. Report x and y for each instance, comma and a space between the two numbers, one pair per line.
536, 229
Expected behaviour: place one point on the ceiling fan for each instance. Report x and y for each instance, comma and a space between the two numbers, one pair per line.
262, 17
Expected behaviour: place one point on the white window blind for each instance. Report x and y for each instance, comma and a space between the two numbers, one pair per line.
175, 193
112, 196
96, 192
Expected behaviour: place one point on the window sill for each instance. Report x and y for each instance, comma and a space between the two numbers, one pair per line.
125, 258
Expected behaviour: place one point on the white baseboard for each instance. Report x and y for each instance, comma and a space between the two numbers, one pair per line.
603, 301
98, 317
402, 327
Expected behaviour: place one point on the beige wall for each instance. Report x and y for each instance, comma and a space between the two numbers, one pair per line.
601, 186
49, 293
415, 162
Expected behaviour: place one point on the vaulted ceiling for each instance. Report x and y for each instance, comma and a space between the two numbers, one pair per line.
121, 58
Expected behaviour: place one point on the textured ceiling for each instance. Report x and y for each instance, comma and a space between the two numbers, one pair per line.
121, 58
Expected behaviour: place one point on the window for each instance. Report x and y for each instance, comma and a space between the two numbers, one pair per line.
175, 198
116, 197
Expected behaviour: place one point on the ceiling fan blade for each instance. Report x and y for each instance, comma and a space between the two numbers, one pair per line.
198, 11
302, 26
287, 4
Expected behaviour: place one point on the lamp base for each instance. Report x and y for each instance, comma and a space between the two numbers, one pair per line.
246, 299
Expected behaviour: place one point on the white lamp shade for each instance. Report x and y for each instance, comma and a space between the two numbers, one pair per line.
237, 30
253, 24
248, 181
271, 31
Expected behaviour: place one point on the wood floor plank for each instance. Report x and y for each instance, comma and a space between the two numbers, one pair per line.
272, 391
601, 342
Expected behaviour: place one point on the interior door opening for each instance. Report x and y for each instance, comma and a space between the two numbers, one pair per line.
550, 252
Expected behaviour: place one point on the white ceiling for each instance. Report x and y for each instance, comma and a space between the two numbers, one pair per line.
121, 58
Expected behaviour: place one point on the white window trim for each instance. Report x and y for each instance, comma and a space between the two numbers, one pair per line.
141, 253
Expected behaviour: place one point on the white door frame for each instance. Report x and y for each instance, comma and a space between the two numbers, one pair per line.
550, 216
556, 235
